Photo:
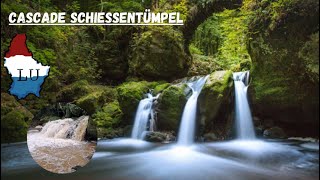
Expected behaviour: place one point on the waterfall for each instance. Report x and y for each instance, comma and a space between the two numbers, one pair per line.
188, 121
144, 116
244, 124
66, 128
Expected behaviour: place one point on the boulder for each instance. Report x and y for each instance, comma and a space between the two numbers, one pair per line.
274, 132
109, 116
285, 64
15, 119
129, 96
158, 54
216, 104
57, 111
96, 98
170, 107
161, 137
210, 137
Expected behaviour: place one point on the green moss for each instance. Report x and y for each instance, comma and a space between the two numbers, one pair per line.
15, 120
283, 44
158, 54
97, 98
160, 88
109, 116
171, 104
216, 103
73, 91
129, 96
13, 127
222, 80
110, 133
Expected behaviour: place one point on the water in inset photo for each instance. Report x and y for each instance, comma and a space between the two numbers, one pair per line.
62, 138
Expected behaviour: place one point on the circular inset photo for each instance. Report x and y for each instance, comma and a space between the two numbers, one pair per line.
62, 138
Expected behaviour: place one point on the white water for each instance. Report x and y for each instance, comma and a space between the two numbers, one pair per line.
60, 145
244, 124
144, 115
66, 128
188, 121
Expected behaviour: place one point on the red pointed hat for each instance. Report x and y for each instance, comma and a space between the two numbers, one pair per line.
18, 46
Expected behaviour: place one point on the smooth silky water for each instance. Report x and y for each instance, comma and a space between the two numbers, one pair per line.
131, 158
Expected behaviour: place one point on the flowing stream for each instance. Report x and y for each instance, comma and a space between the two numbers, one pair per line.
60, 147
244, 124
144, 117
188, 121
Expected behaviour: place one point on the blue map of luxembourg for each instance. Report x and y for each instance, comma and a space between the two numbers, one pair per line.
27, 74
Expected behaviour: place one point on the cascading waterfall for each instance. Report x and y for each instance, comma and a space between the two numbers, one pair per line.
144, 115
66, 128
244, 124
188, 121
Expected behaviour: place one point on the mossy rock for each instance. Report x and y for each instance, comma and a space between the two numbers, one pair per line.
109, 116
285, 62
170, 107
129, 96
216, 102
158, 54
15, 120
98, 96
158, 89
110, 133
73, 91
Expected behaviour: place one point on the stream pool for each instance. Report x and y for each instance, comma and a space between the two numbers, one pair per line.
134, 159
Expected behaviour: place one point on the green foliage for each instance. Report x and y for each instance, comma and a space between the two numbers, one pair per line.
223, 36
15, 120
13, 127
194, 50
309, 53
208, 36
182, 8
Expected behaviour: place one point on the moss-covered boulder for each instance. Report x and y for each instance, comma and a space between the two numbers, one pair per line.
129, 96
160, 88
170, 107
284, 49
73, 91
109, 116
158, 54
96, 98
216, 105
15, 120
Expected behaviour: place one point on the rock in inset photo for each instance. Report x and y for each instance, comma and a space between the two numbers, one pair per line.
62, 138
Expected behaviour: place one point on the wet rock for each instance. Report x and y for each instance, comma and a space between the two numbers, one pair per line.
129, 96
215, 103
170, 107
57, 111
39, 128
210, 137
160, 137
259, 131
274, 132
286, 95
